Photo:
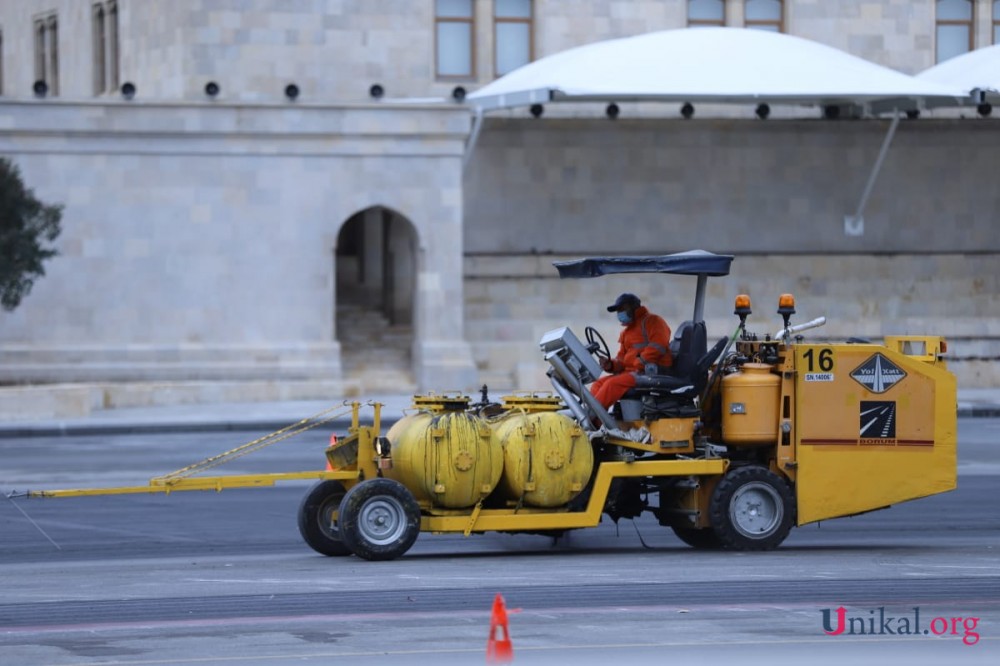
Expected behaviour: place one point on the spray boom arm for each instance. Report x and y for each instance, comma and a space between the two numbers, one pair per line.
785, 333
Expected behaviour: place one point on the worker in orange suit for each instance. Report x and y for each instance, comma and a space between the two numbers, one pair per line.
644, 342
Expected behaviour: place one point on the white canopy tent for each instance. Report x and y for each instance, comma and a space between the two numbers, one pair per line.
977, 73
718, 65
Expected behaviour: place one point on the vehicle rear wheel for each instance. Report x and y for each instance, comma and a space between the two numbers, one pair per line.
752, 508
318, 518
701, 538
379, 519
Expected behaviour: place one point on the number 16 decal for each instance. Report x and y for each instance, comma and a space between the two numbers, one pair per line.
819, 365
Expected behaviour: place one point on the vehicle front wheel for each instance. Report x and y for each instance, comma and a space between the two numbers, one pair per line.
752, 508
379, 519
318, 518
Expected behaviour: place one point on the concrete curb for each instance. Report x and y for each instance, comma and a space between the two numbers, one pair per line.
985, 411
98, 429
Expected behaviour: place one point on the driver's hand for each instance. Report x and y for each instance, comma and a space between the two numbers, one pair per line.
608, 365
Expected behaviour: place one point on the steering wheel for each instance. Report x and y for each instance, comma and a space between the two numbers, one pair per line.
597, 345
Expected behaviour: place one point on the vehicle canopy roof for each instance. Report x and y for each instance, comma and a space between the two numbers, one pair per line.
692, 262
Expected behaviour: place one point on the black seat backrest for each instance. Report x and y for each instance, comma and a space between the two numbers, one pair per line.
680, 387
710, 357
688, 346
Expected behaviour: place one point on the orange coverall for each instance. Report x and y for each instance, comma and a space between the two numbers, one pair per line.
646, 339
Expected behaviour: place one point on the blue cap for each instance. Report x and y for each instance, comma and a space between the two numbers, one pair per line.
623, 300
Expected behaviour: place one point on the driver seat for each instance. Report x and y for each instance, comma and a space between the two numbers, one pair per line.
673, 394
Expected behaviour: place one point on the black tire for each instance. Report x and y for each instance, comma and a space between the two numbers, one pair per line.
379, 519
318, 518
701, 538
752, 508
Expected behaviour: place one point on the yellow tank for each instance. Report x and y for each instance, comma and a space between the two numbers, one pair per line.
443, 454
547, 456
750, 400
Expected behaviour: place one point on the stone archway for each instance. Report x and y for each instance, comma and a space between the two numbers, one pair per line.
376, 264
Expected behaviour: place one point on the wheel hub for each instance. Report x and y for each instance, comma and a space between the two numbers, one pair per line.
756, 510
382, 521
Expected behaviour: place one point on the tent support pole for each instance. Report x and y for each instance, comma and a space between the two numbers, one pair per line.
854, 225
470, 145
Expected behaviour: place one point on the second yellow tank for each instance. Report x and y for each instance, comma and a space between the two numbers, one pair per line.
547, 456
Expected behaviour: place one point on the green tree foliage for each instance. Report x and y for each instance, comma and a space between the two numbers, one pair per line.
27, 229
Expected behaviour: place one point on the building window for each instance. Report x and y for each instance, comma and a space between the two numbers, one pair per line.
512, 34
47, 52
996, 21
765, 15
454, 25
105, 47
100, 51
113, 51
954, 28
706, 12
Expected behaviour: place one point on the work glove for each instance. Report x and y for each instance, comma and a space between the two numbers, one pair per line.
608, 365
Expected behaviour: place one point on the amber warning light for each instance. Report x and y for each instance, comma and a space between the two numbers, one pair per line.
742, 305
786, 303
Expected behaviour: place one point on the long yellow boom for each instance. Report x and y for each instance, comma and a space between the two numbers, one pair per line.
216, 483
185, 479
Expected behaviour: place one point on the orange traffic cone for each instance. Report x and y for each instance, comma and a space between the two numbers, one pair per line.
333, 442
499, 650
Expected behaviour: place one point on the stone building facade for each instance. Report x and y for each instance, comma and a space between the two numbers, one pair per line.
243, 236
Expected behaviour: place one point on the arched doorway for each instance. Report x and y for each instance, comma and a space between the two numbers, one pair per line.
375, 299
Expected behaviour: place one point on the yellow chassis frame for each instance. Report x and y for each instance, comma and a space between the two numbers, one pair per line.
466, 521
484, 520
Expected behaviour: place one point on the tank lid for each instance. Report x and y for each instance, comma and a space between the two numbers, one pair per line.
533, 402
441, 403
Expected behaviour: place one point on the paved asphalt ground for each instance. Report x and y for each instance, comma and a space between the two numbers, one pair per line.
206, 578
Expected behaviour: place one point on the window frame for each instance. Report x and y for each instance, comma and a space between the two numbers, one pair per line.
99, 49
38, 38
45, 40
471, 22
52, 37
779, 23
113, 53
969, 24
995, 23
104, 47
694, 23
530, 21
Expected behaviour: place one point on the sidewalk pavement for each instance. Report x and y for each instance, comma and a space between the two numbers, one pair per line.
271, 416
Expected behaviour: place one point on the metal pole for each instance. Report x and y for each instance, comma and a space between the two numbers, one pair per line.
470, 145
854, 225
699, 298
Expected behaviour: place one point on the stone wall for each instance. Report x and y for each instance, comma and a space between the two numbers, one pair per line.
634, 186
772, 193
512, 300
198, 240
335, 49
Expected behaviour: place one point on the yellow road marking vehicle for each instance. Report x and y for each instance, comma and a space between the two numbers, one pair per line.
739, 443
